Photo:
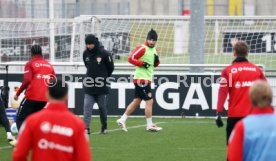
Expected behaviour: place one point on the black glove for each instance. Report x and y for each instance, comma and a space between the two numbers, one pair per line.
146, 65
156, 58
218, 120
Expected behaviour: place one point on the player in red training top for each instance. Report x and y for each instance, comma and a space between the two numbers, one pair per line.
37, 74
54, 133
236, 80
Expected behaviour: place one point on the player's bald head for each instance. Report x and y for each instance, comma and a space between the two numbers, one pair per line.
260, 94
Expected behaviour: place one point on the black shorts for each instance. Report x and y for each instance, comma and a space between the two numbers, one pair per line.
231, 122
26, 108
143, 91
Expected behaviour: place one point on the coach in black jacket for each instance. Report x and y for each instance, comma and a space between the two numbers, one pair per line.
99, 66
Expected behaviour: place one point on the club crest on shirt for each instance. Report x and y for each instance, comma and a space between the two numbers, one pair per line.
99, 59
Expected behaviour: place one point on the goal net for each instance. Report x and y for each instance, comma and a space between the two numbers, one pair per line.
258, 32
18, 35
121, 34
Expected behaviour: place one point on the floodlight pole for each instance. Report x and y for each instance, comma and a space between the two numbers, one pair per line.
196, 44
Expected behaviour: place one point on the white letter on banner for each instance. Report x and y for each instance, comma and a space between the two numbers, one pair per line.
174, 96
122, 92
201, 100
71, 93
215, 88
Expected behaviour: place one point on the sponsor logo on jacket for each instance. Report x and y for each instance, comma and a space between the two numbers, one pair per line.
46, 127
45, 144
240, 69
42, 65
43, 76
87, 59
243, 84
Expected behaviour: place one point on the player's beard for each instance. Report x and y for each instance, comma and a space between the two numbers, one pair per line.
151, 45
90, 49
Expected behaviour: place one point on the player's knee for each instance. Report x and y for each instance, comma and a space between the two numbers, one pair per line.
137, 101
149, 101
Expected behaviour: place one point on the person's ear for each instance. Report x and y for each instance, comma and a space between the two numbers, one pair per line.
235, 53
66, 97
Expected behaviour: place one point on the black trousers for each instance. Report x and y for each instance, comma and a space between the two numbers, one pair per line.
3, 117
26, 108
89, 101
231, 122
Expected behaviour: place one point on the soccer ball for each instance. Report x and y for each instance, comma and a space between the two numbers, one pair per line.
14, 128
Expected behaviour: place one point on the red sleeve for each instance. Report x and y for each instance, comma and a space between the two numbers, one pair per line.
23, 146
235, 144
28, 74
82, 146
135, 55
223, 90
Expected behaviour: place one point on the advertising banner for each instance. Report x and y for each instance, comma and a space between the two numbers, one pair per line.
174, 95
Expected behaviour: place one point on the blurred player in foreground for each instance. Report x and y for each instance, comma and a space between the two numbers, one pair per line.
236, 80
145, 59
37, 73
254, 137
53, 133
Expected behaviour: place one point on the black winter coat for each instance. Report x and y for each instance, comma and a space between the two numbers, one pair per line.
99, 65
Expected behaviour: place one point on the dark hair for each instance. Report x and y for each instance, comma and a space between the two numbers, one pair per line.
241, 48
152, 35
36, 50
57, 89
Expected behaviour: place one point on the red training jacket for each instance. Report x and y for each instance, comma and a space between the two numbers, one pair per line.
236, 80
53, 134
134, 60
37, 73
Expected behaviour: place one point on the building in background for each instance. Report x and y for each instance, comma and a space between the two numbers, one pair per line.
73, 8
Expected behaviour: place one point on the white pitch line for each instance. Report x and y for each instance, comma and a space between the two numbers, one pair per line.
183, 122
5, 147
113, 130
205, 149
130, 127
